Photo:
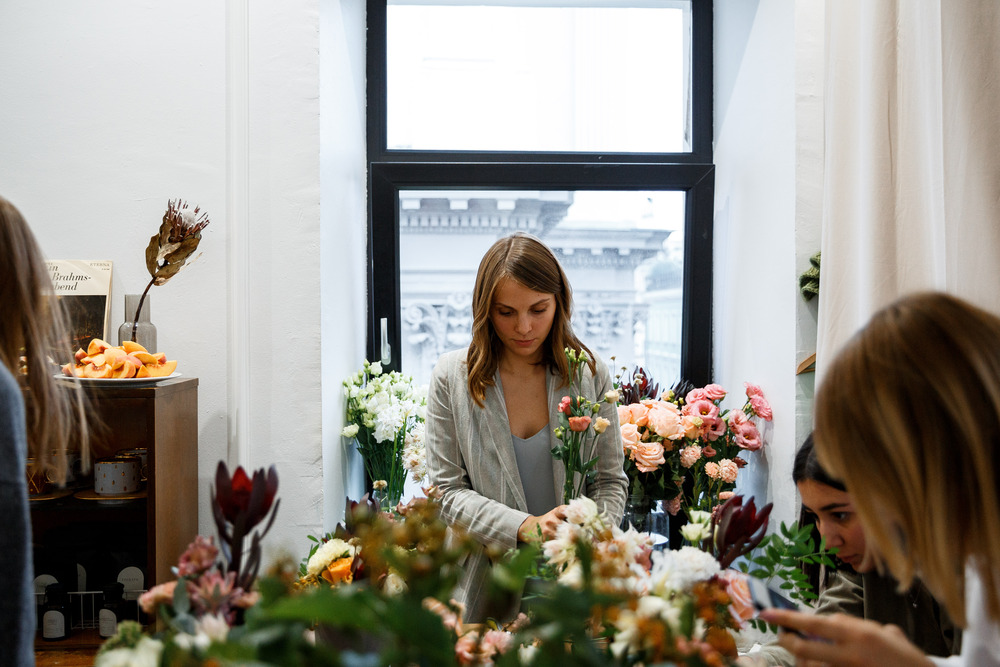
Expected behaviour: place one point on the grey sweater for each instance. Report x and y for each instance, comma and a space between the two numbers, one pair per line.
17, 599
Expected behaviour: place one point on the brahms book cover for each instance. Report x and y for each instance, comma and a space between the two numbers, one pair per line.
84, 286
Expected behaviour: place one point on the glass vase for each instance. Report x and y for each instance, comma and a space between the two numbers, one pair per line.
145, 331
647, 515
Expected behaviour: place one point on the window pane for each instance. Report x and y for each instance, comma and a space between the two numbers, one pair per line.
622, 251
511, 77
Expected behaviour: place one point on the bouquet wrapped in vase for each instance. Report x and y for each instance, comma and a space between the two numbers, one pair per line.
385, 416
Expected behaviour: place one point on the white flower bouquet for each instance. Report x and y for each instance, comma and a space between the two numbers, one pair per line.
385, 415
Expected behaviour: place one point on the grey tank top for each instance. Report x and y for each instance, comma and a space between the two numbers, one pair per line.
534, 465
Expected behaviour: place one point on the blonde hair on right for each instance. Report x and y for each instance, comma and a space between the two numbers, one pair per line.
908, 415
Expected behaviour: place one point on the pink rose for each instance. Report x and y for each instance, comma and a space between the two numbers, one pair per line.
714, 392
712, 469
579, 424
630, 436
648, 456
690, 455
665, 420
564, 404
728, 470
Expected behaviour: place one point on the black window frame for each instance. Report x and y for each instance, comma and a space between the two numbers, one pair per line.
390, 171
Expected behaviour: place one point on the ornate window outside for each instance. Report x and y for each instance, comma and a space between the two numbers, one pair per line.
586, 124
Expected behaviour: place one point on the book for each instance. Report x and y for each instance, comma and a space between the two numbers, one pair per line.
84, 287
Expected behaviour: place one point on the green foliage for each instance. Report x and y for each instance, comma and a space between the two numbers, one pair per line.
784, 556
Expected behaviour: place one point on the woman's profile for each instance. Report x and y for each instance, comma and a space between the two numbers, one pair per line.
31, 338
492, 409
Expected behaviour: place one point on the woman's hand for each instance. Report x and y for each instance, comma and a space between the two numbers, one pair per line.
839, 639
545, 524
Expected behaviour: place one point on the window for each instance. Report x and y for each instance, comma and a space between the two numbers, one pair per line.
587, 124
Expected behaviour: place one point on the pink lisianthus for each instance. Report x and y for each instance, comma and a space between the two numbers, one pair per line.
760, 405
714, 392
664, 419
708, 451
151, 600
745, 432
715, 428
564, 404
712, 470
579, 424
648, 456
690, 455
705, 409
728, 470
198, 557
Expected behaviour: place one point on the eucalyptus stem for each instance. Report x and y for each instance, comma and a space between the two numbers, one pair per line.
135, 320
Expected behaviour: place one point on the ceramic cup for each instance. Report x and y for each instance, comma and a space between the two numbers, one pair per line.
117, 475
37, 484
141, 453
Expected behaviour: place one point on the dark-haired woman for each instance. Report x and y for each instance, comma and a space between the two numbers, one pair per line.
857, 589
492, 409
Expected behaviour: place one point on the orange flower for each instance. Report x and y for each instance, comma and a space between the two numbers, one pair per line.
339, 571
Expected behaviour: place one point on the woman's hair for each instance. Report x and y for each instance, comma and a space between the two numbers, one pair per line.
807, 467
908, 416
33, 327
524, 258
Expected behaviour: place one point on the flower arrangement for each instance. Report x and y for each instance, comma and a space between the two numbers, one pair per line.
577, 427
209, 596
686, 434
170, 249
385, 414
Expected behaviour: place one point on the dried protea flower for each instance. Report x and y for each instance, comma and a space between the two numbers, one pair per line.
171, 248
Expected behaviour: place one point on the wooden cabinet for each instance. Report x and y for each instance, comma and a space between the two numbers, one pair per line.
150, 531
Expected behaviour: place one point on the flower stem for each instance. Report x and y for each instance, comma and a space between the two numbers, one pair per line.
135, 320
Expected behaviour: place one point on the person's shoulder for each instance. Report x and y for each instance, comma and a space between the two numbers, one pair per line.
452, 362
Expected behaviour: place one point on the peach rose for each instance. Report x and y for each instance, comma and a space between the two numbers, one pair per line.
741, 602
665, 420
638, 414
630, 436
648, 456
157, 595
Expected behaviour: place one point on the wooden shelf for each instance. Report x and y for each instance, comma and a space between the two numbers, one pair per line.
150, 532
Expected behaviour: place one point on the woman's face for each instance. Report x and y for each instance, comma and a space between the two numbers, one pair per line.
522, 318
837, 522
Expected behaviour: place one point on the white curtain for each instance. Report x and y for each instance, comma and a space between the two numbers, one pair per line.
912, 158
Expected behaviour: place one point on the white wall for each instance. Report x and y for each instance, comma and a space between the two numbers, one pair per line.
112, 107
765, 223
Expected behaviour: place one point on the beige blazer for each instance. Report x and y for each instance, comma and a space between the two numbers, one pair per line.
470, 457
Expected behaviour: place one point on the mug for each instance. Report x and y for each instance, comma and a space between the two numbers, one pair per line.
141, 453
117, 475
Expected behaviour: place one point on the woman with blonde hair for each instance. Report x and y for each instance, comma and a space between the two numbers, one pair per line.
908, 416
31, 338
492, 409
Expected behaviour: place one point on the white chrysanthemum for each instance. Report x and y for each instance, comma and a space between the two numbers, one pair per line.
677, 571
328, 552
583, 512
